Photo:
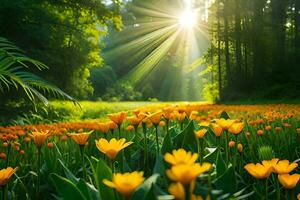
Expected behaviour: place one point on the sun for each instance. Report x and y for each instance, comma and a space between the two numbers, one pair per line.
188, 19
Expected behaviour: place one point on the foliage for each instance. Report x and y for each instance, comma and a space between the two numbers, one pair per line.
14, 66
65, 35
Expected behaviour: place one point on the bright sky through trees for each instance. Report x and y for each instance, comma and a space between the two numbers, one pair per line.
164, 33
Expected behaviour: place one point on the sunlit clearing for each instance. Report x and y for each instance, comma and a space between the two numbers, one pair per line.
188, 19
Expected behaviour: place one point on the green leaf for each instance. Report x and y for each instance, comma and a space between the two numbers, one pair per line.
89, 191
167, 144
68, 173
151, 194
159, 167
227, 181
65, 188
220, 165
103, 172
224, 115
186, 138
211, 157
144, 189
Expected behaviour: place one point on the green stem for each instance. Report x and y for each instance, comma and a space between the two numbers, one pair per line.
266, 186
38, 169
82, 161
145, 147
226, 148
277, 191
187, 192
4, 192
156, 137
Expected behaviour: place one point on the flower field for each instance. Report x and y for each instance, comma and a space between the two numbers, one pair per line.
159, 151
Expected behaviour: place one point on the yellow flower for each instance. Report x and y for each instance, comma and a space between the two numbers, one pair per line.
240, 148
236, 128
288, 181
136, 119
180, 156
39, 137
185, 174
284, 167
5, 175
270, 163
217, 129
113, 147
80, 138
118, 118
204, 123
201, 133
177, 190
155, 117
125, 183
258, 170
225, 123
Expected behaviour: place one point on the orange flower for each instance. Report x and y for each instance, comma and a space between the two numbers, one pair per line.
288, 181
225, 123
50, 145
236, 128
201, 133
284, 167
80, 138
155, 117
129, 128
39, 137
5, 175
217, 129
118, 118
231, 144
258, 170
240, 148
104, 127
260, 132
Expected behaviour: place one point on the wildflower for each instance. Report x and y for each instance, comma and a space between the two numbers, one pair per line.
177, 190
104, 127
129, 128
5, 144
125, 183
27, 139
268, 128
288, 181
39, 137
118, 118
113, 147
248, 134
180, 156
155, 117
284, 167
162, 124
271, 163
201, 133
5, 175
112, 125
217, 129
80, 138
21, 152
50, 145
3, 155
236, 128
260, 132
258, 170
225, 123
240, 148
185, 174
231, 144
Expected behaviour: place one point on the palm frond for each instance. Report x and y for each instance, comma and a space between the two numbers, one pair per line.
13, 65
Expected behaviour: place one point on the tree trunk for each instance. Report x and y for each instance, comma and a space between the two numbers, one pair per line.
238, 48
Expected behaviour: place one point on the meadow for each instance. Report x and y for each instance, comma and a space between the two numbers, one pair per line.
157, 151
